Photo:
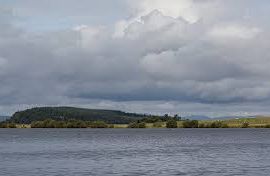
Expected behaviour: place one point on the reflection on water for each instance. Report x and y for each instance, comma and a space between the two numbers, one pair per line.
69, 152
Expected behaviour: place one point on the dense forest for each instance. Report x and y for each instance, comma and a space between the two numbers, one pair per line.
67, 113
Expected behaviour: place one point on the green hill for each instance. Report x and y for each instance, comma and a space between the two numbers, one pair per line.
66, 113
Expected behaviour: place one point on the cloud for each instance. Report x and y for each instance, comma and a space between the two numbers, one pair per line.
173, 52
235, 32
189, 10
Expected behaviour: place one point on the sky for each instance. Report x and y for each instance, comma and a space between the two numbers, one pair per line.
190, 57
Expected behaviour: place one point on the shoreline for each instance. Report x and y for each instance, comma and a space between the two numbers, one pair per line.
148, 126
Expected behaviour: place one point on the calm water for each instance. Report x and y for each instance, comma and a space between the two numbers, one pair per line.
70, 152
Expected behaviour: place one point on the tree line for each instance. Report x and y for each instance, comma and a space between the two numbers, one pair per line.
147, 121
50, 123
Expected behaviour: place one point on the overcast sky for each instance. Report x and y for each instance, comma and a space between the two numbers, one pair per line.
208, 57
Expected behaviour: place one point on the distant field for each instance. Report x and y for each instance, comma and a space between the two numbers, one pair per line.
237, 123
232, 123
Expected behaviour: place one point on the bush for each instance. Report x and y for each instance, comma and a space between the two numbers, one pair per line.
225, 125
68, 124
267, 126
7, 125
37, 124
171, 124
61, 124
245, 125
3, 125
98, 124
202, 125
11, 125
158, 124
137, 125
216, 124
191, 124
110, 126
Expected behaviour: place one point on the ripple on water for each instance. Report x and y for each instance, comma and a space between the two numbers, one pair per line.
36, 152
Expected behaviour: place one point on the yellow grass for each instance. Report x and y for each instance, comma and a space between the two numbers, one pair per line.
23, 126
120, 125
237, 123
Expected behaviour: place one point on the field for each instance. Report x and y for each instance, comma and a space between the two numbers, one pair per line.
257, 122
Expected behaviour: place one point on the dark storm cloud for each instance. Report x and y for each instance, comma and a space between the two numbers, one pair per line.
163, 52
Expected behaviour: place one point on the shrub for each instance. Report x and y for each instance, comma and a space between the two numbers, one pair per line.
68, 124
267, 126
110, 126
37, 124
225, 125
202, 125
7, 125
157, 124
191, 124
245, 125
61, 124
3, 125
98, 124
216, 124
11, 125
137, 125
171, 124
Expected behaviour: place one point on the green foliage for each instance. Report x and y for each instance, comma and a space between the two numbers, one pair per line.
49, 123
153, 119
165, 118
67, 113
76, 124
218, 124
245, 125
267, 126
7, 125
98, 124
171, 123
158, 124
137, 125
215, 124
191, 124
225, 125
202, 125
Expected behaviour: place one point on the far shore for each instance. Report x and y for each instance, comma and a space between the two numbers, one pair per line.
262, 122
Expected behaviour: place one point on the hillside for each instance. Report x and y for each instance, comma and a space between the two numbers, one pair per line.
66, 113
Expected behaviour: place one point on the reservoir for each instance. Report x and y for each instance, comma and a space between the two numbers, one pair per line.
134, 152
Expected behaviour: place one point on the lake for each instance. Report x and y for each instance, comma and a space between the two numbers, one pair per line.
101, 152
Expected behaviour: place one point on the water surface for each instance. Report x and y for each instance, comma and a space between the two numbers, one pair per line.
70, 152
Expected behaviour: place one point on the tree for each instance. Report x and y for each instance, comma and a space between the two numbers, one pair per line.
176, 117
